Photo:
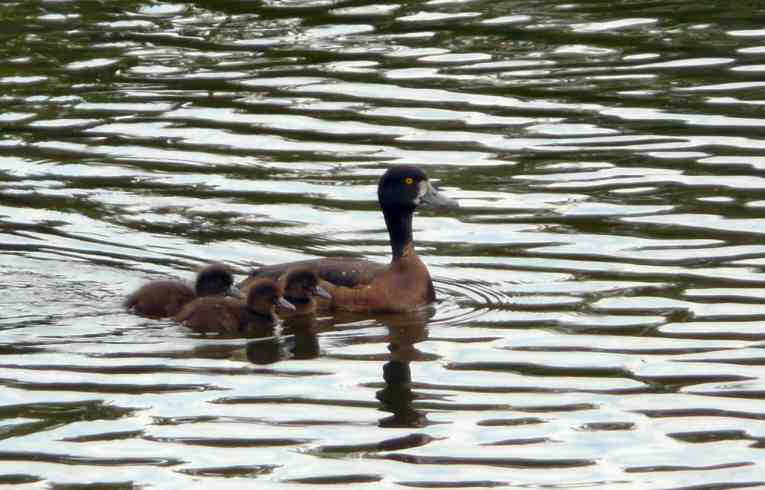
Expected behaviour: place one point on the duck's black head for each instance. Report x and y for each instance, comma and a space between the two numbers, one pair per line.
400, 191
213, 279
302, 284
264, 295
408, 186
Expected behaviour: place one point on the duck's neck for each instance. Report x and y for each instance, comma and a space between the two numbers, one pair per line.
398, 219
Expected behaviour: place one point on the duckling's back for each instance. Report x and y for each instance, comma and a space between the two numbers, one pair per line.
213, 314
159, 298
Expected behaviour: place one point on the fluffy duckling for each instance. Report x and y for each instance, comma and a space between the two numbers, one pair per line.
230, 315
301, 288
165, 298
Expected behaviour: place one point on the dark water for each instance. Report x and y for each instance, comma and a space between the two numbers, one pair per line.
600, 320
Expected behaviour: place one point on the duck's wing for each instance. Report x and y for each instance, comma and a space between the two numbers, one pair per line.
341, 271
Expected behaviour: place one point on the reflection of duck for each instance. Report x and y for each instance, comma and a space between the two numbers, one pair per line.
166, 297
397, 396
365, 286
225, 314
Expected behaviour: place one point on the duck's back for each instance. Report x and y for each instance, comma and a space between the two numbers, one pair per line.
340, 271
403, 286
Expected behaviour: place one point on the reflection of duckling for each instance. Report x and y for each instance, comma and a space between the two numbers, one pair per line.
364, 286
166, 297
224, 314
265, 350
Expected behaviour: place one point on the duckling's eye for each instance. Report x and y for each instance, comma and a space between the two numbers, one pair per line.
409, 181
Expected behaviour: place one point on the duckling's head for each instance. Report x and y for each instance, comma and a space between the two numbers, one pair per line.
264, 295
407, 186
303, 284
213, 279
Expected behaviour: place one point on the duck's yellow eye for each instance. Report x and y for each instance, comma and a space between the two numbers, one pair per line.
409, 180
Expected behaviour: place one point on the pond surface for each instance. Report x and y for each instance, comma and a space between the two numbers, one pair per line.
600, 320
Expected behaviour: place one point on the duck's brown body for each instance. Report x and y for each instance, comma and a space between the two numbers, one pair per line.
364, 286
403, 286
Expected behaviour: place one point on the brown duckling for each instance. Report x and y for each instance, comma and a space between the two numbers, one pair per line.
301, 288
365, 286
164, 298
226, 314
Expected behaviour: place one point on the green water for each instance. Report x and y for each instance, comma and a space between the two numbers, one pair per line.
599, 320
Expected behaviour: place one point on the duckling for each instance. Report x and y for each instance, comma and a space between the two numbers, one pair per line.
301, 288
165, 298
365, 286
230, 315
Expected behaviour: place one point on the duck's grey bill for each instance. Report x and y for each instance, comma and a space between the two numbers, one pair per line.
322, 293
286, 304
432, 197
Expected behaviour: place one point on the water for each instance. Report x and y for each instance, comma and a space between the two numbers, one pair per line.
600, 320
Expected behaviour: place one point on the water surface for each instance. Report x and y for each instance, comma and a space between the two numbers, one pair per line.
599, 322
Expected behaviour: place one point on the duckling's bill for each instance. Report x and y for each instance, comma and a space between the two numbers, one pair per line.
283, 303
321, 292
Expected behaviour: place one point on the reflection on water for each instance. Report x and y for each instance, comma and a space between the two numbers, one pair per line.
598, 322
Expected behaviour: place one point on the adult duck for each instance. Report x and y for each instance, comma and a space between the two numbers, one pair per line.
166, 297
364, 286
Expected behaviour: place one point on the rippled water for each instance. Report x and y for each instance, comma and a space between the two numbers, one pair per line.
600, 320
